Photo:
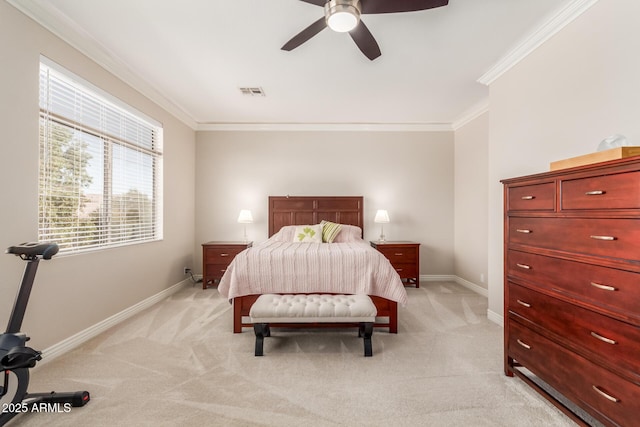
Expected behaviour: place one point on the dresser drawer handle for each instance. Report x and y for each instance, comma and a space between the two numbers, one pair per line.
525, 266
594, 193
605, 395
603, 339
523, 230
398, 254
609, 238
525, 345
603, 287
528, 197
525, 304
398, 270
223, 254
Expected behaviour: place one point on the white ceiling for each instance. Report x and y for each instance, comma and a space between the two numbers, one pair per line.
191, 56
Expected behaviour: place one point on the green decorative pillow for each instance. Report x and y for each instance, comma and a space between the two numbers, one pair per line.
329, 231
308, 234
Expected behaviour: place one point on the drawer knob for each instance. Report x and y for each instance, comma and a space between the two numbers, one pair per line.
523, 230
524, 266
594, 193
528, 197
603, 287
596, 237
398, 270
223, 254
525, 304
398, 254
523, 344
603, 339
605, 395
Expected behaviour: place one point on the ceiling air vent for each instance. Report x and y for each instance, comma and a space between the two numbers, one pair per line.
252, 91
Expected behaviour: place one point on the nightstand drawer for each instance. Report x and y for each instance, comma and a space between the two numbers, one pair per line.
406, 270
404, 257
216, 257
397, 254
216, 271
222, 254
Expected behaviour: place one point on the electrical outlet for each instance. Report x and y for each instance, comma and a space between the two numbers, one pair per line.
187, 270
481, 277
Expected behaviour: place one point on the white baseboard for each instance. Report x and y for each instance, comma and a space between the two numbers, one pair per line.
453, 278
92, 331
495, 317
437, 278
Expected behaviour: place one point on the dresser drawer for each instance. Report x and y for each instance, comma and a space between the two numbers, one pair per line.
612, 238
617, 191
536, 197
593, 332
610, 288
603, 394
399, 254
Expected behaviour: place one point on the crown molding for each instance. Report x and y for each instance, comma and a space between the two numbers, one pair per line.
543, 33
358, 127
48, 17
471, 114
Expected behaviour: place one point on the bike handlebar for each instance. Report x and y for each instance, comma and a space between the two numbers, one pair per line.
32, 250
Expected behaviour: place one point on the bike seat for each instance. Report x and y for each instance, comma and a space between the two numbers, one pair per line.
20, 357
33, 250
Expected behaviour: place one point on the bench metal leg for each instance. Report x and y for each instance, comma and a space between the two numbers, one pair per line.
366, 330
261, 330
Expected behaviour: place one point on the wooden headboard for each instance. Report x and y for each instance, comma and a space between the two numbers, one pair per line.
302, 210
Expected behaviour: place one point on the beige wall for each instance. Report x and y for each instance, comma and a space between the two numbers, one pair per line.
471, 203
73, 293
408, 173
576, 89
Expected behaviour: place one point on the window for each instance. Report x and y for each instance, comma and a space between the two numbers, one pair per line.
100, 167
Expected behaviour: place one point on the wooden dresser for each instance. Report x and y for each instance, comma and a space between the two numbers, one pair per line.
572, 287
216, 257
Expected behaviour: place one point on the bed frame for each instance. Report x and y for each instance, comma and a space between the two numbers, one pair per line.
300, 210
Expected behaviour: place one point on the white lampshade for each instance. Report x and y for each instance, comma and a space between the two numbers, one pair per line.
381, 216
245, 217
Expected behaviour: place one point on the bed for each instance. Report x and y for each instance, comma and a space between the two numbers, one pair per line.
279, 265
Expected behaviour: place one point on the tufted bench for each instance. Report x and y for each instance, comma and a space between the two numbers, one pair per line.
313, 308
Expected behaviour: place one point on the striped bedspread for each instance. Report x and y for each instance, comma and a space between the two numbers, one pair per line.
290, 267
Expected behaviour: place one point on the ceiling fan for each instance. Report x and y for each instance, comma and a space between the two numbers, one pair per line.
344, 16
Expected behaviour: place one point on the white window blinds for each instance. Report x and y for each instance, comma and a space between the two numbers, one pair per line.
100, 167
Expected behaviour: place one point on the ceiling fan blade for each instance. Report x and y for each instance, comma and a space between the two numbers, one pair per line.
305, 34
316, 2
365, 41
386, 6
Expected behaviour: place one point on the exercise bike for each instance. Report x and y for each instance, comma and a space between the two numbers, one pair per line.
16, 358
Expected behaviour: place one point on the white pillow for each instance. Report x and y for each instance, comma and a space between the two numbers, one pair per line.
349, 233
308, 234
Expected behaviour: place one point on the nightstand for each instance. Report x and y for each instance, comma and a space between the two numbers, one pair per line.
216, 257
404, 257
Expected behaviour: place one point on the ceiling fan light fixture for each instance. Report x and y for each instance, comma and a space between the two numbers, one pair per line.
342, 15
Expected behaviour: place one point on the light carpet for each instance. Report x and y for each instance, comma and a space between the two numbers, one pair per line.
178, 363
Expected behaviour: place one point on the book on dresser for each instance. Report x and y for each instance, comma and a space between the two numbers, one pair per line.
572, 288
